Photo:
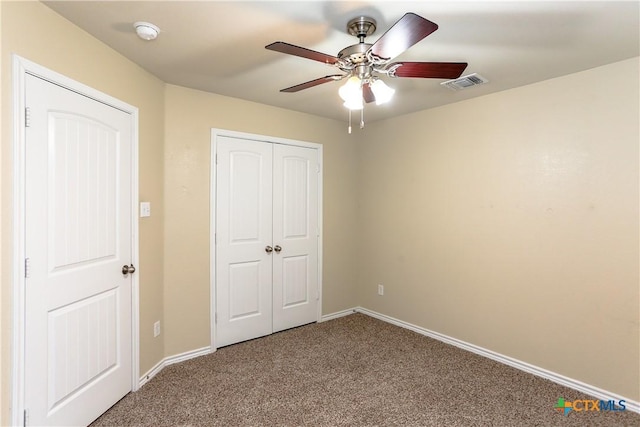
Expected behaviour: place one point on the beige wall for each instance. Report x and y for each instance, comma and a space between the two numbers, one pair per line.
189, 117
510, 221
34, 32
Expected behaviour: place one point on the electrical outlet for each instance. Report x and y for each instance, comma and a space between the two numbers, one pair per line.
156, 329
380, 290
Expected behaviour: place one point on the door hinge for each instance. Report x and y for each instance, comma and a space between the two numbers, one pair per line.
27, 117
216, 318
25, 418
27, 268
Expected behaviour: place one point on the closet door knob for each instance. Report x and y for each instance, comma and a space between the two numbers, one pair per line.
269, 249
128, 269
277, 248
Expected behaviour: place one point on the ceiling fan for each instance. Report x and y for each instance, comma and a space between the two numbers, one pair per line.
364, 63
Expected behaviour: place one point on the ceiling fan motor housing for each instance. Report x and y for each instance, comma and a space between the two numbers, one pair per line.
355, 54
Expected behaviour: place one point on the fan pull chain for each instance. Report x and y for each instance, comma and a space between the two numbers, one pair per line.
361, 120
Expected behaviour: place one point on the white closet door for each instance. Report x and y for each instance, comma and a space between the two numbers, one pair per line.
295, 230
244, 231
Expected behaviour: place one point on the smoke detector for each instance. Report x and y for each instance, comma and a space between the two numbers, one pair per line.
146, 31
465, 82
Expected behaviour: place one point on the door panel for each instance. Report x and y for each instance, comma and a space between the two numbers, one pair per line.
243, 231
295, 196
295, 273
244, 290
78, 359
295, 229
82, 344
82, 197
246, 193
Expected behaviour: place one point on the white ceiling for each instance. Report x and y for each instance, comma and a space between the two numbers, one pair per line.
218, 46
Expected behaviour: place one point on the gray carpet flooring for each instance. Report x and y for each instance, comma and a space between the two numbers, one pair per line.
351, 371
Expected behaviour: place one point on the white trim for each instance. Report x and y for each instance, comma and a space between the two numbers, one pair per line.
591, 390
215, 133
337, 314
135, 250
320, 227
263, 138
212, 242
18, 239
182, 357
22, 67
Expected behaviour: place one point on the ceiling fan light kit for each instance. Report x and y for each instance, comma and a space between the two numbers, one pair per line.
351, 93
364, 63
382, 92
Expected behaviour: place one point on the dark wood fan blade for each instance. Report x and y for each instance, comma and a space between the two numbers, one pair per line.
433, 70
290, 49
367, 93
313, 83
409, 30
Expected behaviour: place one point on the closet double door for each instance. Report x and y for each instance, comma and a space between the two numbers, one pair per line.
266, 242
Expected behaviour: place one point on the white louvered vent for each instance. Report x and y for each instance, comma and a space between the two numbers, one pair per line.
465, 82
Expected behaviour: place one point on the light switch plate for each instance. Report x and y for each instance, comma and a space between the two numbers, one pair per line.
145, 209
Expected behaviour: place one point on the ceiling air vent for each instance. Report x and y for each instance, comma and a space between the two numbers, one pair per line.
465, 82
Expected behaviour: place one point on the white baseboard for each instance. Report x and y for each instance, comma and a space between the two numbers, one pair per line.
337, 314
596, 392
171, 360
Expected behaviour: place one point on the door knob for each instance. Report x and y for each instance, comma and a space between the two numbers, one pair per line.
268, 249
127, 269
277, 248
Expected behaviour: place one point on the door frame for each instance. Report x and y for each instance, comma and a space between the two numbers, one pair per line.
215, 133
21, 68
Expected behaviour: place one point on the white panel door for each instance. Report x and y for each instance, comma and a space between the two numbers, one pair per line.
295, 231
243, 239
78, 359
